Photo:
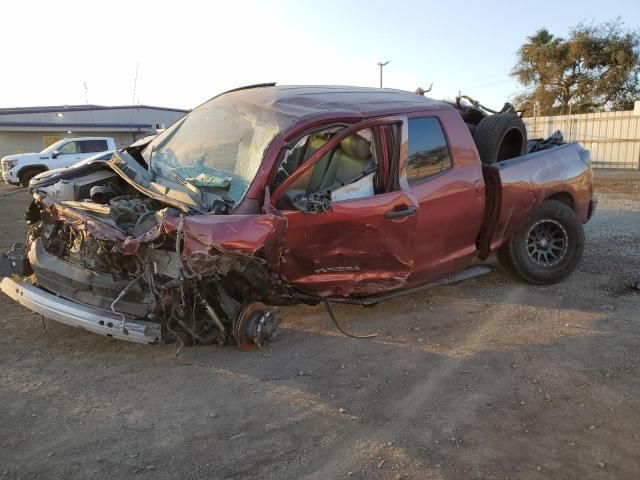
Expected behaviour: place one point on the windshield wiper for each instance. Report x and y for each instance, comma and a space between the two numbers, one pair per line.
186, 183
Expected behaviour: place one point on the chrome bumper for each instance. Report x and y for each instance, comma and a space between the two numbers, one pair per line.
76, 315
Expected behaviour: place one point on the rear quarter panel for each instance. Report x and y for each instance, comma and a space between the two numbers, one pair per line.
529, 180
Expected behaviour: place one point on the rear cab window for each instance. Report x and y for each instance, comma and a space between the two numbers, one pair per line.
93, 146
429, 152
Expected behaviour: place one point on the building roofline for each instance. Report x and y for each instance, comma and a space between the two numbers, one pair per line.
81, 108
66, 126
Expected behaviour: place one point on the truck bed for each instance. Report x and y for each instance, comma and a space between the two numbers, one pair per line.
518, 185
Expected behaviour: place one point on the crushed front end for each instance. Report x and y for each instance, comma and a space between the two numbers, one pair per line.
112, 256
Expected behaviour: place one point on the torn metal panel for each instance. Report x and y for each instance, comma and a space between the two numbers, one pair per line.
82, 220
244, 234
250, 246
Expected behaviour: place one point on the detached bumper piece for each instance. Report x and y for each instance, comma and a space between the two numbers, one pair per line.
76, 315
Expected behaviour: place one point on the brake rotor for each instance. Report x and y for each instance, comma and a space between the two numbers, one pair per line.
254, 326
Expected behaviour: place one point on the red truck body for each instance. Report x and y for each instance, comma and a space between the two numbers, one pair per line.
443, 236
390, 241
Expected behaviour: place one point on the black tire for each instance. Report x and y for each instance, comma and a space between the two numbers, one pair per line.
503, 256
500, 137
473, 115
27, 175
549, 247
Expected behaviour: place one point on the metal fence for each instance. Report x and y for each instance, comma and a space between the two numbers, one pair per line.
612, 137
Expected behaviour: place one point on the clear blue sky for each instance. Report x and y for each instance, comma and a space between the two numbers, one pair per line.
188, 51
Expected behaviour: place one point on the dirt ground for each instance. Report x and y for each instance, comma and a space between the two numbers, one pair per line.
490, 378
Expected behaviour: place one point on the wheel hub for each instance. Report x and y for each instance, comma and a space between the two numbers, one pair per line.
254, 326
547, 242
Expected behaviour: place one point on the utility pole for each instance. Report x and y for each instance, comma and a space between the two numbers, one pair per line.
382, 64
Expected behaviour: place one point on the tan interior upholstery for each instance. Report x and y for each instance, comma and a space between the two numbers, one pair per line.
350, 159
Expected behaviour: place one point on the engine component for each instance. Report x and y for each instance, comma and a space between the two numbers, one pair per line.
63, 190
83, 185
79, 187
102, 193
130, 211
81, 283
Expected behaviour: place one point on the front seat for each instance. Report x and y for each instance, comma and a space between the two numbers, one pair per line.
351, 159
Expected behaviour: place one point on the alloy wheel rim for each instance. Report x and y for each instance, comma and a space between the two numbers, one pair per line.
547, 242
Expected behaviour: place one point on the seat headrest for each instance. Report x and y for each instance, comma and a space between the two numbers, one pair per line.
356, 146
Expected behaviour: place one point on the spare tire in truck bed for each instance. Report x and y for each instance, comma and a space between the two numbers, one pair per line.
500, 137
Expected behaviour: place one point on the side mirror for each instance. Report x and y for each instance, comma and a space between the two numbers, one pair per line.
55, 154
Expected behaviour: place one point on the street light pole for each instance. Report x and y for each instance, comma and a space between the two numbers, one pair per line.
382, 64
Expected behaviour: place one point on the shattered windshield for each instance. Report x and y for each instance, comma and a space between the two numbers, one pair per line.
218, 147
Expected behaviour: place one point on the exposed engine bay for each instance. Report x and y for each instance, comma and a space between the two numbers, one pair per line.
98, 240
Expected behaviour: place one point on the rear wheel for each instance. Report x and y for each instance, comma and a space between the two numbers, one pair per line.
550, 246
504, 260
28, 174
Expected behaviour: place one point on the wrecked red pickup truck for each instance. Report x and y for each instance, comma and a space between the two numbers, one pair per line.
267, 196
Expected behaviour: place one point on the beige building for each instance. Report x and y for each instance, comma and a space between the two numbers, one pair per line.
31, 129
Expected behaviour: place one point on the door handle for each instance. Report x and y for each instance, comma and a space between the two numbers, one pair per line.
405, 212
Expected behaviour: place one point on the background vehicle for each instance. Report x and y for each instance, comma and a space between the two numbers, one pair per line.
59, 172
22, 167
279, 195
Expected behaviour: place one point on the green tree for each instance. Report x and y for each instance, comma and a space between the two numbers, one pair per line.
597, 68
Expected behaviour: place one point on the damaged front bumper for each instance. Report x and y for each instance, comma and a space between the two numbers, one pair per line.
119, 253
76, 315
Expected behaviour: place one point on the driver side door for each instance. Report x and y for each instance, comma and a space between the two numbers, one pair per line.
358, 246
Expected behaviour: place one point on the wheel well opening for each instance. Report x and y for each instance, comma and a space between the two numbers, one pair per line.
30, 168
565, 198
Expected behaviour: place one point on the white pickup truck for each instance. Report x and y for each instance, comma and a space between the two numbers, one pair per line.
22, 167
